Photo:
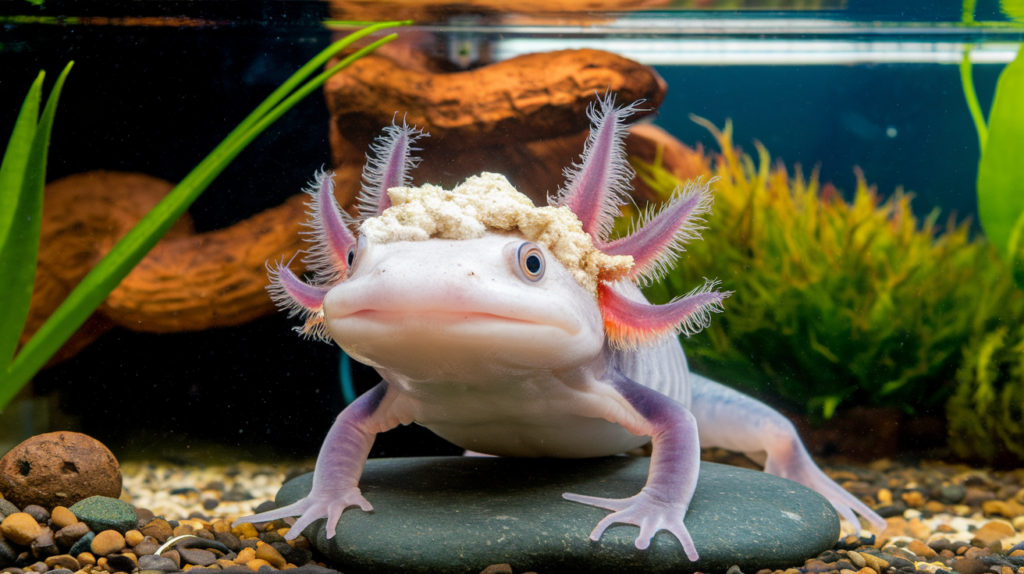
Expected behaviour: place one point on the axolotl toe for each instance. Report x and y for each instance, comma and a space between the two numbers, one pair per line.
516, 330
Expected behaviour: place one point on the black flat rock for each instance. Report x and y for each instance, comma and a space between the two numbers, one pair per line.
460, 514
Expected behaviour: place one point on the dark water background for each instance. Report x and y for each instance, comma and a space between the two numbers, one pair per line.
157, 100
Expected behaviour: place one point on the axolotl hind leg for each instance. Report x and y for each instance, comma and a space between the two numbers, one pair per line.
675, 462
731, 420
340, 464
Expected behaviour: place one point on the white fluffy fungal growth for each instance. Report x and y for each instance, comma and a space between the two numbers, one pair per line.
489, 202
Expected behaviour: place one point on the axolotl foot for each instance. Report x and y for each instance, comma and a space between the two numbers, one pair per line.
643, 510
311, 508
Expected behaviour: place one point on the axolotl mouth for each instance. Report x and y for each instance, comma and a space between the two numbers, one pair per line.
442, 305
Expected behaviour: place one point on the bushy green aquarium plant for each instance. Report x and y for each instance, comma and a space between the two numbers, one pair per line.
837, 301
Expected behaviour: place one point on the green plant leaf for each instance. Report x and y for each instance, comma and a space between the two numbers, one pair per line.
12, 169
21, 245
103, 278
1001, 169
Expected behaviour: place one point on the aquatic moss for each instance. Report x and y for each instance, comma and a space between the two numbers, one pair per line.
836, 301
986, 413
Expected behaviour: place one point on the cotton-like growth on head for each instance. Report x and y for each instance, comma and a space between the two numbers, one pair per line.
388, 167
332, 242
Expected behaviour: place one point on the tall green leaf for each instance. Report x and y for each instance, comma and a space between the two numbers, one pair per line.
1001, 170
12, 169
20, 248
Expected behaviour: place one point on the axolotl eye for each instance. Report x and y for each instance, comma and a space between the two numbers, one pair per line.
352, 257
528, 262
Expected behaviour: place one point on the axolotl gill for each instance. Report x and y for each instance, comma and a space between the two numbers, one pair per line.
516, 330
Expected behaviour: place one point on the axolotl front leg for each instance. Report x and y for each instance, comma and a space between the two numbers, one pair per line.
340, 463
675, 463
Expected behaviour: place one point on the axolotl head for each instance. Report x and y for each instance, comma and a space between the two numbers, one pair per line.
439, 284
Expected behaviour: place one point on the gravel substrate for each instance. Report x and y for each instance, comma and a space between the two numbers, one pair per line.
942, 518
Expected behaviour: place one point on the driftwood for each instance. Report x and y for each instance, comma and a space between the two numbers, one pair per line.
528, 124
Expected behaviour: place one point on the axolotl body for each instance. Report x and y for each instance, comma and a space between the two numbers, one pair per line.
515, 330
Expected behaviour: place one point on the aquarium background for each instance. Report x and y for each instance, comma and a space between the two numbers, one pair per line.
156, 86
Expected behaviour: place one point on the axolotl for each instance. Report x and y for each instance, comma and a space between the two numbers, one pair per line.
516, 330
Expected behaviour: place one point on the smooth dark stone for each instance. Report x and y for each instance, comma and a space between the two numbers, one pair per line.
43, 546
104, 513
121, 563
296, 556
37, 512
251, 543
7, 508
952, 494
969, 566
59, 571
197, 557
84, 544
154, 562
458, 515
271, 537
203, 544
265, 506
311, 569
67, 536
236, 494
229, 540
8, 554
237, 570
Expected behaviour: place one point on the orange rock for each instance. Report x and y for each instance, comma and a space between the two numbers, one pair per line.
1008, 508
36, 471
913, 499
993, 531
921, 549
20, 528
256, 564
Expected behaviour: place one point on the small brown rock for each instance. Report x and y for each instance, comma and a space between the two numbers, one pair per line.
993, 531
63, 561
107, 542
196, 556
921, 549
497, 569
913, 498
58, 469
62, 517
86, 559
245, 556
174, 556
272, 556
159, 529
133, 537
245, 531
43, 545
183, 530
256, 564
20, 528
67, 536
969, 566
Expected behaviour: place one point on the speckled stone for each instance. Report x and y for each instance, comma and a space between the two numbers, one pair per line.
459, 515
104, 513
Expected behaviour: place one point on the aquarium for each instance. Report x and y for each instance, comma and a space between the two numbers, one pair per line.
821, 200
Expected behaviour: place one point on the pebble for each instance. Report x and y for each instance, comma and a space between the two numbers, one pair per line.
105, 513
159, 529
271, 555
158, 563
20, 528
37, 470
121, 563
63, 561
197, 557
133, 537
62, 517
107, 542
67, 536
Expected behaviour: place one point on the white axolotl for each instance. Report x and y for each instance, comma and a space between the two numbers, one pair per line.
516, 330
